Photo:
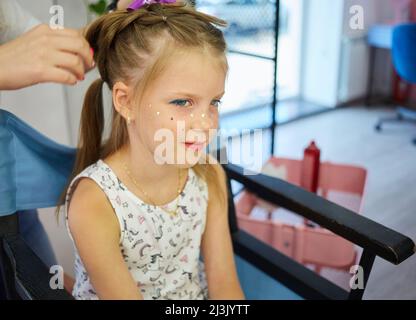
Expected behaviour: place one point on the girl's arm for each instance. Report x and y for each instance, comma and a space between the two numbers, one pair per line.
216, 246
96, 232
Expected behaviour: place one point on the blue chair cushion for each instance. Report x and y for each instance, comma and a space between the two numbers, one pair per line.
33, 169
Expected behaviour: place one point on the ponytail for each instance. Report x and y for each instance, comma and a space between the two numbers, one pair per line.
91, 131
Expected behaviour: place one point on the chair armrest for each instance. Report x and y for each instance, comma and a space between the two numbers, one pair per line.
368, 234
31, 275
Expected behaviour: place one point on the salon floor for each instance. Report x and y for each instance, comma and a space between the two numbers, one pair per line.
347, 136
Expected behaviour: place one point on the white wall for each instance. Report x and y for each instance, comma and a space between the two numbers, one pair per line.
321, 56
290, 50
354, 64
336, 58
42, 106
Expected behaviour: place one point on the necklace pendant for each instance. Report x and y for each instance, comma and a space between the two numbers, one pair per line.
173, 213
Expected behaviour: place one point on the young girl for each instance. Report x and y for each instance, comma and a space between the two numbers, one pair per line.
139, 222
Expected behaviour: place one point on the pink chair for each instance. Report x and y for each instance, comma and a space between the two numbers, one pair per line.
307, 244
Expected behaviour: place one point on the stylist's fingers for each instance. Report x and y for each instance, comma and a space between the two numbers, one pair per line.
71, 62
67, 32
58, 75
76, 45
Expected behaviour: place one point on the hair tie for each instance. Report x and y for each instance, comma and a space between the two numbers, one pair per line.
137, 4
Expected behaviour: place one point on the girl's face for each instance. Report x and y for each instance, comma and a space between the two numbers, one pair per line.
178, 116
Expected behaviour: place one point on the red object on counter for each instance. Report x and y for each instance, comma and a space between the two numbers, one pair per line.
310, 167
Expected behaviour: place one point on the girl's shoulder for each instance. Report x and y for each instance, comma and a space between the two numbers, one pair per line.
85, 185
97, 171
90, 181
89, 215
86, 195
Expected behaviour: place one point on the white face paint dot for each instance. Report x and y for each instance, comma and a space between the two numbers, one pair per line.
192, 115
203, 115
158, 113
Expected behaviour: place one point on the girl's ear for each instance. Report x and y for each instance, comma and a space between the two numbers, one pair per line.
122, 97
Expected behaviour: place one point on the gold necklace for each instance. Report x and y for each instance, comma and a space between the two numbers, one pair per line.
173, 213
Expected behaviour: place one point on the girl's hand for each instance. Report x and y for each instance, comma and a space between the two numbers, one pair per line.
44, 55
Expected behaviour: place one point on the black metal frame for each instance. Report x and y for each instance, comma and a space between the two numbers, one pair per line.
370, 78
8, 225
276, 47
374, 238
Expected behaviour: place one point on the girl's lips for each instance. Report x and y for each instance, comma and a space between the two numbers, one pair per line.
194, 145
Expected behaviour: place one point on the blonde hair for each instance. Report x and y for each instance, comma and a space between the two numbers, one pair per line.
127, 43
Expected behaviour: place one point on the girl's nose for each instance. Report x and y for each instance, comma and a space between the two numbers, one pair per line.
202, 121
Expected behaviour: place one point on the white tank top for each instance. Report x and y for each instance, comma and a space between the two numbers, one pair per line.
161, 252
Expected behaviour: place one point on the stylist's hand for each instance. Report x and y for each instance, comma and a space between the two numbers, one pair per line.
44, 55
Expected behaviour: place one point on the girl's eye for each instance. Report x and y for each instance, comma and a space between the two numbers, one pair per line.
217, 103
181, 102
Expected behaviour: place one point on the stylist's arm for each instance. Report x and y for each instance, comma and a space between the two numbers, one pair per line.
44, 55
